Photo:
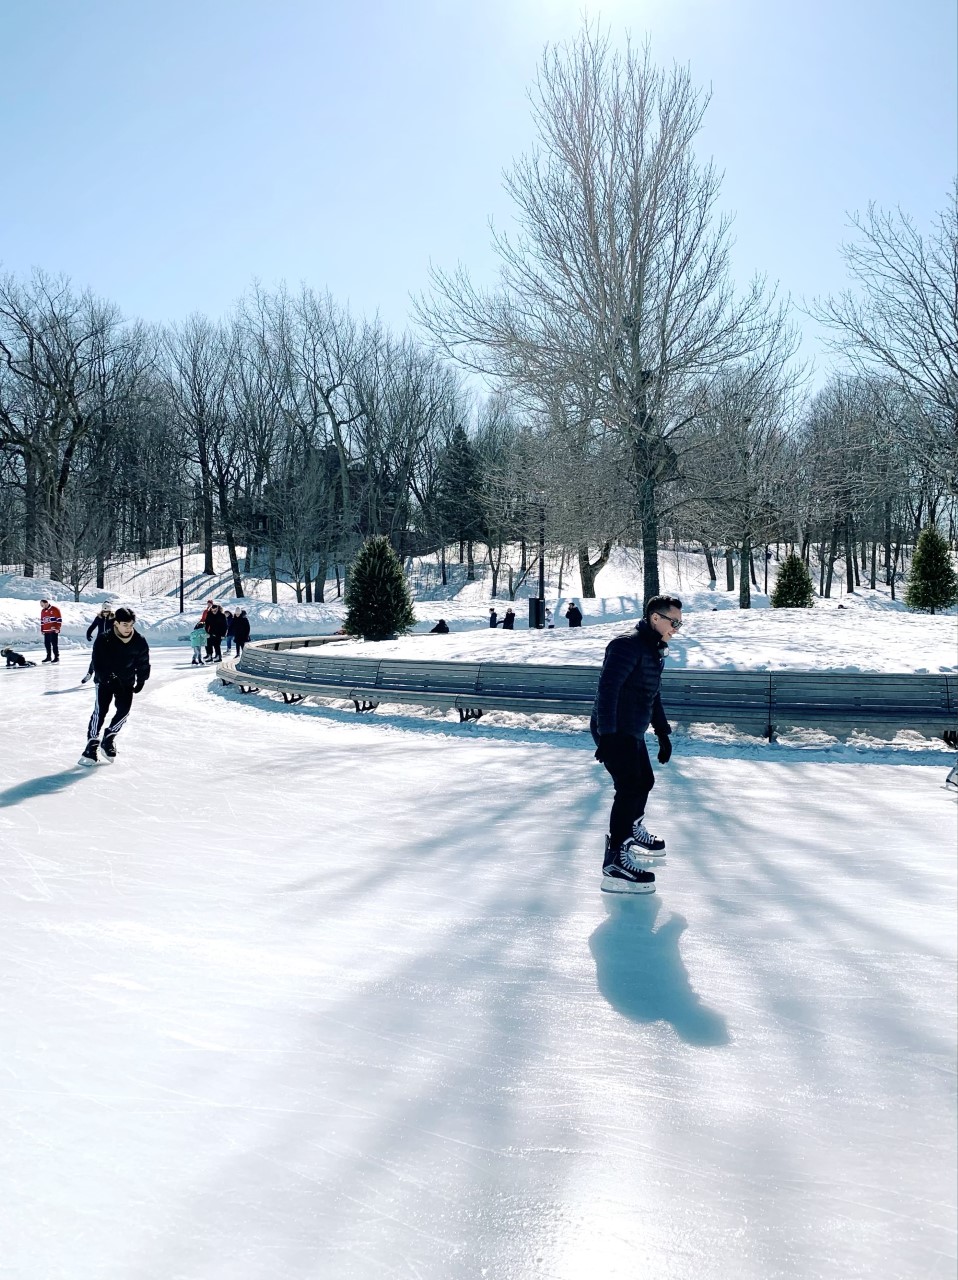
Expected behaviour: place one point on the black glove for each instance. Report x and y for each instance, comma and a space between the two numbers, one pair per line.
665, 748
138, 687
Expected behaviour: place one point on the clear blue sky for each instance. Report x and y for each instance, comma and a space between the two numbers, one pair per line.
166, 153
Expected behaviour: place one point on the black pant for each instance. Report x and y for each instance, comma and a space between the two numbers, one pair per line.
240, 646
122, 694
213, 648
52, 644
631, 771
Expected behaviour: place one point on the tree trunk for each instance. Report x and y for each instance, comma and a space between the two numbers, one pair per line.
561, 569
319, 584
729, 569
871, 581
442, 564
470, 562
272, 572
589, 570
30, 518
832, 552
850, 566
709, 561
744, 589
207, 524
308, 584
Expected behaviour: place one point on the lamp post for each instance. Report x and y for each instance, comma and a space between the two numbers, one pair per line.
542, 563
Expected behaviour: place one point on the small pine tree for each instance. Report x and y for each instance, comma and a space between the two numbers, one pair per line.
932, 583
793, 586
378, 604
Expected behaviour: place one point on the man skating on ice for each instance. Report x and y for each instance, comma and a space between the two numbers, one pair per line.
627, 701
121, 665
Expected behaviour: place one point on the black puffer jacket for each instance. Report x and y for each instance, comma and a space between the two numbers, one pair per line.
121, 664
627, 699
216, 623
241, 628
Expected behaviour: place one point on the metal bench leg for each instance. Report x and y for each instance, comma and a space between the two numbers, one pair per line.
249, 688
469, 713
364, 705
291, 698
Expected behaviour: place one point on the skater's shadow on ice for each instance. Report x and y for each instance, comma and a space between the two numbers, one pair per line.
639, 970
45, 786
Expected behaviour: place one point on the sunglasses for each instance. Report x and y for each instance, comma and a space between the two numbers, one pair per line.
676, 622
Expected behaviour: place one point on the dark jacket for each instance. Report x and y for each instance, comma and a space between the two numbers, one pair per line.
99, 625
442, 627
230, 623
121, 664
216, 623
574, 614
508, 620
627, 699
493, 617
240, 628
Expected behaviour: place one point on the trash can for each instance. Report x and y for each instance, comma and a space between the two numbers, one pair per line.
537, 613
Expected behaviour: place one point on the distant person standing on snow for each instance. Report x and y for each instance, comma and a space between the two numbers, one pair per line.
216, 630
51, 621
102, 622
493, 618
627, 701
441, 628
229, 631
121, 664
574, 614
240, 631
508, 622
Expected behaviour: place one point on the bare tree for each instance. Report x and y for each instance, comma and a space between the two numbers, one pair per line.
904, 321
63, 364
618, 276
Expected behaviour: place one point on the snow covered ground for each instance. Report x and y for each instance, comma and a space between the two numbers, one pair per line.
865, 631
292, 994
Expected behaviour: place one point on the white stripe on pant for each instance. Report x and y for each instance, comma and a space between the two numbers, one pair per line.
105, 694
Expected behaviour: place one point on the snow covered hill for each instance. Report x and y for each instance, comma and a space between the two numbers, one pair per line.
866, 631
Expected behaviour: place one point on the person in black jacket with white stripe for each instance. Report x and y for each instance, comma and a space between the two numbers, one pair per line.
121, 666
627, 702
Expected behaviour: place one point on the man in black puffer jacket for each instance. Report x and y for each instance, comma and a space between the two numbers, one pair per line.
627, 702
121, 665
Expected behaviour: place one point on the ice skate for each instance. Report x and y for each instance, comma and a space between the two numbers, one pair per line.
622, 873
651, 846
89, 757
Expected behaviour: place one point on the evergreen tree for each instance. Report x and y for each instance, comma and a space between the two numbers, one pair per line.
460, 472
378, 604
793, 586
932, 583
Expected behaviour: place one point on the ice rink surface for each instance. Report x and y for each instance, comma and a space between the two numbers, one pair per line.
290, 994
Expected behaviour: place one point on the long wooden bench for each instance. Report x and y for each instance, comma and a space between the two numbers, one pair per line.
755, 702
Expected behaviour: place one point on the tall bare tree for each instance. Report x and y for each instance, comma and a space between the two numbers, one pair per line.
618, 276
903, 321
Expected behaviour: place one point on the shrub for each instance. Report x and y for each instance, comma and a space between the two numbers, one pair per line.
378, 605
932, 583
793, 586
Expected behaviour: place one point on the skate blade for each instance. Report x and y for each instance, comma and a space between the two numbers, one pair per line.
87, 763
612, 885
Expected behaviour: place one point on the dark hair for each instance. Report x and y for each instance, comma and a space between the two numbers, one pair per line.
658, 603
124, 615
